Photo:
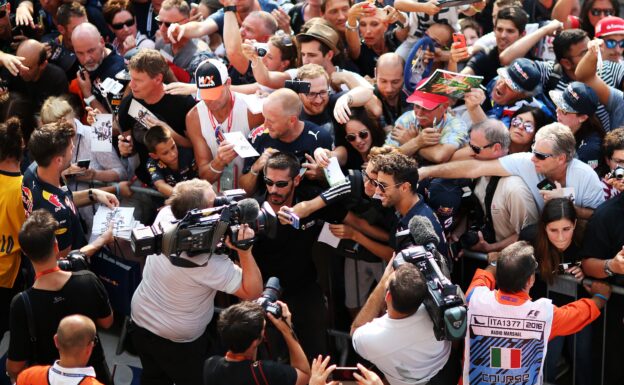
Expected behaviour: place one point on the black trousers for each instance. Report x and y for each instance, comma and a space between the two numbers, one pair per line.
166, 362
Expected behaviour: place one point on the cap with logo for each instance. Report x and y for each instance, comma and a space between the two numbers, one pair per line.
609, 25
522, 75
323, 33
577, 98
210, 76
426, 100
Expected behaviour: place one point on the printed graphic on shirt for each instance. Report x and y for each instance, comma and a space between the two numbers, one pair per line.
505, 350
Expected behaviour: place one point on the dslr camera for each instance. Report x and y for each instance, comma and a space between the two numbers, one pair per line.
75, 261
444, 301
204, 230
270, 295
617, 173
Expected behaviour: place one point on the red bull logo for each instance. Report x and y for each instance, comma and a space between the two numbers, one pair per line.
27, 200
53, 199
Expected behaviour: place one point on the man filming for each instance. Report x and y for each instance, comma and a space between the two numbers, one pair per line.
242, 328
173, 304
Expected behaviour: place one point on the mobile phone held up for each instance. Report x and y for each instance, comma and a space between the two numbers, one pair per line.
546, 184
459, 38
344, 373
84, 163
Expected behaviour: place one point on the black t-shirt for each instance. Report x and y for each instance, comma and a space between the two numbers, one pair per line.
53, 82
219, 371
367, 61
289, 255
187, 169
82, 294
310, 139
604, 235
58, 202
296, 17
326, 118
111, 65
171, 109
485, 64
390, 114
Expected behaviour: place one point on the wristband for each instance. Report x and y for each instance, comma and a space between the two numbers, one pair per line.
493, 263
117, 190
91, 196
214, 170
602, 297
229, 8
350, 28
254, 173
89, 100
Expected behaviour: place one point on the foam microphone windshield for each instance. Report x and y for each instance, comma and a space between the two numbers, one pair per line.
249, 209
422, 231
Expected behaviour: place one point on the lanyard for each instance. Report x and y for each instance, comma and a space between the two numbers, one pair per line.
217, 127
48, 271
76, 375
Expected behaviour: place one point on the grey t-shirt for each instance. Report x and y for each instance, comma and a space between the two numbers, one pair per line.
587, 187
616, 114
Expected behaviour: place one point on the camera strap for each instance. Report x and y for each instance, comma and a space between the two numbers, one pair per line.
182, 262
488, 228
30, 321
258, 373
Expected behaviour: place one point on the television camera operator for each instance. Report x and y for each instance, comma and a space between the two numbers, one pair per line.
242, 329
411, 342
173, 304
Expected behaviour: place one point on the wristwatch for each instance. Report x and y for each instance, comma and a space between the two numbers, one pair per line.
229, 8
89, 100
607, 270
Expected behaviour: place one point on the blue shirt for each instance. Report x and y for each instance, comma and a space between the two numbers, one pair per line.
420, 208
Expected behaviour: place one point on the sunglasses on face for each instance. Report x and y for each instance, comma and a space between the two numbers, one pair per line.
610, 43
605, 12
362, 134
518, 122
128, 23
278, 184
540, 155
477, 150
167, 24
382, 187
367, 178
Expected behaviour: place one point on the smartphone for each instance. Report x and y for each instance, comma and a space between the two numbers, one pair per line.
81, 72
459, 38
299, 86
84, 163
344, 373
545, 184
566, 265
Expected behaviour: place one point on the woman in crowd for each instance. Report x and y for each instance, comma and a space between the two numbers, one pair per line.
591, 13
122, 22
556, 239
525, 122
576, 108
354, 141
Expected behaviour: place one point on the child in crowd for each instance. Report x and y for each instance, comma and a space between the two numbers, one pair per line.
167, 165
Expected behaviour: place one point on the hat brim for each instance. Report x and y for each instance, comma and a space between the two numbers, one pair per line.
557, 98
212, 93
616, 32
502, 72
427, 100
322, 38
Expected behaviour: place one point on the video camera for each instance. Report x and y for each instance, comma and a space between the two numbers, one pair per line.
445, 300
204, 230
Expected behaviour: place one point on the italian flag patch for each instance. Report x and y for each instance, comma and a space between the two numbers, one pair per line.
505, 358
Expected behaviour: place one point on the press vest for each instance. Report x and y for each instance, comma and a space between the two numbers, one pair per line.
40, 375
506, 344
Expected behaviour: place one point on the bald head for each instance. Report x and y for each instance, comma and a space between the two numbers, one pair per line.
390, 60
285, 100
31, 49
88, 46
74, 333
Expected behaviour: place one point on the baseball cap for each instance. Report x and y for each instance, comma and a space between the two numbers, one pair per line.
522, 75
610, 25
577, 98
210, 76
323, 33
426, 100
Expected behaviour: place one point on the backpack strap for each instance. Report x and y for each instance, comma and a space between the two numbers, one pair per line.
30, 321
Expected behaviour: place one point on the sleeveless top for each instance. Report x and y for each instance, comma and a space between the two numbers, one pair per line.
231, 174
506, 344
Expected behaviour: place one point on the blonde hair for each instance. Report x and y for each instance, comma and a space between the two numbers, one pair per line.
54, 109
312, 71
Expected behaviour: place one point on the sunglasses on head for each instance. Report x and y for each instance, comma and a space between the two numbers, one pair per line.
279, 183
540, 155
610, 43
518, 122
127, 23
605, 12
362, 134
477, 150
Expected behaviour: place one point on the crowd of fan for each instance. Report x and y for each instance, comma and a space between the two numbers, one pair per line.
535, 154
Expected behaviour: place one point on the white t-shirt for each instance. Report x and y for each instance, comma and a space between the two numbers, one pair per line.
177, 303
405, 350
580, 176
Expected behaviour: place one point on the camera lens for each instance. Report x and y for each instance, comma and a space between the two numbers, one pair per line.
261, 52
